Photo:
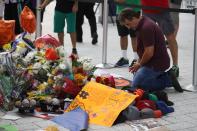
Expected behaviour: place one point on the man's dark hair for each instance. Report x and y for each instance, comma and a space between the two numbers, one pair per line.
128, 14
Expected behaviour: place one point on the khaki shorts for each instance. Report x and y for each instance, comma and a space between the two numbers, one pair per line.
175, 15
164, 21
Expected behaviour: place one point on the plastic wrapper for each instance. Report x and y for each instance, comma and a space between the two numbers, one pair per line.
7, 33
6, 88
46, 40
12, 82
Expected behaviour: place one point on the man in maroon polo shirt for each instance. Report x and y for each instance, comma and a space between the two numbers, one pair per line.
153, 57
165, 22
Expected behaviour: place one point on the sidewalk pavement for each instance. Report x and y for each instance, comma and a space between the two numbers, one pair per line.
185, 116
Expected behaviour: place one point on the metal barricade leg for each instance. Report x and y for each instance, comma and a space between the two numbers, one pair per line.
38, 19
193, 86
105, 32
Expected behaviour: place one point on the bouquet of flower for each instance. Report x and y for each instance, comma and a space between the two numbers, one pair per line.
42, 73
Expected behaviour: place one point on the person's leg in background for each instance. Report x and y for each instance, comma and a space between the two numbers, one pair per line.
123, 34
59, 24
166, 24
173, 46
175, 15
79, 22
71, 29
89, 12
175, 19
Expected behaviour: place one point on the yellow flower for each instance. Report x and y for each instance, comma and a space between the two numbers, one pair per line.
42, 97
18, 65
54, 71
31, 94
79, 76
21, 44
7, 47
30, 67
42, 61
79, 79
41, 87
50, 81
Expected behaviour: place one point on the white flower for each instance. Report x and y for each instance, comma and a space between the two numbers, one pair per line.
49, 74
29, 56
36, 67
87, 66
61, 51
62, 66
84, 60
45, 83
59, 76
45, 66
21, 50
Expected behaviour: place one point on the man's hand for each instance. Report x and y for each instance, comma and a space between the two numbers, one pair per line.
44, 4
41, 6
147, 55
75, 8
135, 67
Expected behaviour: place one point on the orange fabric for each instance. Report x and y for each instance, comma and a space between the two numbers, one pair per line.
28, 20
120, 82
7, 33
139, 93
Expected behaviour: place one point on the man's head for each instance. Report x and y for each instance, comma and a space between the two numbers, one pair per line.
129, 18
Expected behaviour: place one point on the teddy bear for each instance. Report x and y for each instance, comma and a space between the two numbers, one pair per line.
26, 105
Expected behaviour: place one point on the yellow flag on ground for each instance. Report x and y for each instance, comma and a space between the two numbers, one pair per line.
102, 103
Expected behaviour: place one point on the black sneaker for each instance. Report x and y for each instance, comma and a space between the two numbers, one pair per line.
175, 82
122, 62
94, 38
175, 68
74, 52
133, 62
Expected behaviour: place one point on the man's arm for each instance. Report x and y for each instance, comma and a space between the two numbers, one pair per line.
45, 3
148, 54
119, 1
75, 6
